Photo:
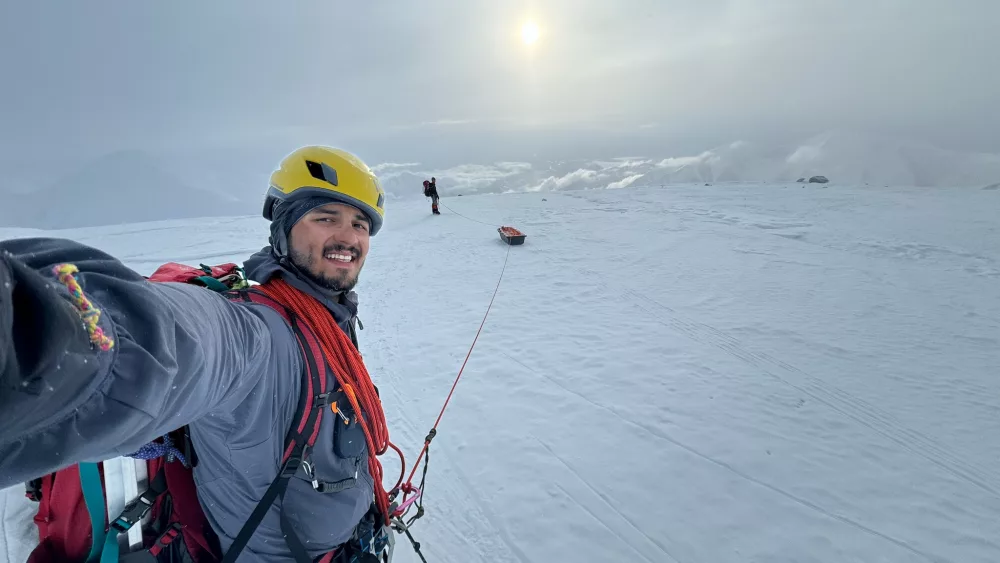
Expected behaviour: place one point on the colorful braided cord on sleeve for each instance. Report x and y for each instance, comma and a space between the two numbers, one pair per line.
88, 312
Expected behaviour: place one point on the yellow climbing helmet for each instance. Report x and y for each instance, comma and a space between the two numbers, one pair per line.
329, 172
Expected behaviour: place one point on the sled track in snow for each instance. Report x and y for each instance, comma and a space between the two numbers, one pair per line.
483, 508
841, 401
659, 434
607, 503
601, 522
484, 535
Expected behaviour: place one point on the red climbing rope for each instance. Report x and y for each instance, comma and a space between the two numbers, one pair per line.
408, 486
349, 369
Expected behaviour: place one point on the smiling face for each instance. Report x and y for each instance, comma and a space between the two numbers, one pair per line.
329, 244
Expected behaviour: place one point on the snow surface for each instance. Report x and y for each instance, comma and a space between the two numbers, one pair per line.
747, 373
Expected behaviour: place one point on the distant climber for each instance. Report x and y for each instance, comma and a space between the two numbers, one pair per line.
430, 190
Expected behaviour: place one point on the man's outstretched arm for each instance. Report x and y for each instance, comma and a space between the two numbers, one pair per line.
96, 361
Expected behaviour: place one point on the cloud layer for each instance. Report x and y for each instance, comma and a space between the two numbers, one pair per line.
112, 194
446, 82
844, 157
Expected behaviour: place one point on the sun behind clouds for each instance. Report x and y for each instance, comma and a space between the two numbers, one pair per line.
529, 33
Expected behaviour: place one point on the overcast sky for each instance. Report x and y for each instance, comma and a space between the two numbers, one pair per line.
452, 80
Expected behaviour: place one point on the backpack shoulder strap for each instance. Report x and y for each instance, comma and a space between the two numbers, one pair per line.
301, 436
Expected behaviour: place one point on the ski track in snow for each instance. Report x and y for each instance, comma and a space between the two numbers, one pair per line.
683, 375
608, 505
850, 406
659, 435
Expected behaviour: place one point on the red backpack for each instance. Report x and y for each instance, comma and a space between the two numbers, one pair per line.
174, 527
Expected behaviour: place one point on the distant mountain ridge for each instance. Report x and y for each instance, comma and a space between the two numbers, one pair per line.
132, 186
122, 187
843, 157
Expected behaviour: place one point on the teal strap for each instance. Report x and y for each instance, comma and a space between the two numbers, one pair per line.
103, 546
212, 283
93, 494
110, 553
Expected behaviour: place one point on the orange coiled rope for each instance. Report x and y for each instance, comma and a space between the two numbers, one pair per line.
348, 367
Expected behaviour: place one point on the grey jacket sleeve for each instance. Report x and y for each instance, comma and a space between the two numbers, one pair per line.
177, 353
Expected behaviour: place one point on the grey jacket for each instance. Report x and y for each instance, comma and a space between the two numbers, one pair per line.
182, 355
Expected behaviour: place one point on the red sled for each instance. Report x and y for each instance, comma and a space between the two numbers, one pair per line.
511, 236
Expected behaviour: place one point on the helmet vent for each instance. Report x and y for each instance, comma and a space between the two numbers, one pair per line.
321, 171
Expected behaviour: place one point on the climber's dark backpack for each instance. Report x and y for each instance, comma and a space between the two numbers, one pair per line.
174, 528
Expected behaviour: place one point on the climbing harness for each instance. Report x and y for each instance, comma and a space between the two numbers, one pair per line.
354, 380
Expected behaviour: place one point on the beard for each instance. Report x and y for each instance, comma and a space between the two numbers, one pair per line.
342, 281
